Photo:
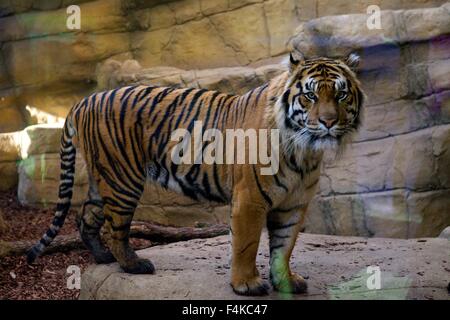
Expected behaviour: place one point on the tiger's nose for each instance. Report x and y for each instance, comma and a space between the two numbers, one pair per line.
328, 122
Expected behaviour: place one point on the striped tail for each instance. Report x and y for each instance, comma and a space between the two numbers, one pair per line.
67, 155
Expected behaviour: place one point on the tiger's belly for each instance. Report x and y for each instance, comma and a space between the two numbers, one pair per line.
198, 182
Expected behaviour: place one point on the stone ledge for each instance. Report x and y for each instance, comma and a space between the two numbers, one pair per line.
335, 268
398, 27
386, 88
408, 214
98, 16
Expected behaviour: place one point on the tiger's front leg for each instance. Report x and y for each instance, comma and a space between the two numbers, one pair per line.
247, 222
283, 226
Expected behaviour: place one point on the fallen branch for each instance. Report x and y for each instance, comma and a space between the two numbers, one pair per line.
62, 243
157, 233
140, 230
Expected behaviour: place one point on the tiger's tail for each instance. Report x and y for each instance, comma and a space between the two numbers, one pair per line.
67, 156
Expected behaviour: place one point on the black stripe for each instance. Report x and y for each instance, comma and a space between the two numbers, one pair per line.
121, 212
193, 104
244, 107
292, 164
248, 246
274, 235
285, 100
276, 247
182, 100
271, 225
122, 142
118, 172
282, 210
108, 117
186, 191
279, 183
127, 93
217, 182
263, 88
207, 190
263, 193
217, 111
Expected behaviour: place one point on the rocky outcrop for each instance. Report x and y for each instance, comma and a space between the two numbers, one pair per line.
334, 267
445, 234
238, 80
9, 156
400, 181
396, 171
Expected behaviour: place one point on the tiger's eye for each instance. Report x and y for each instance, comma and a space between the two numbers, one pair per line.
311, 95
341, 95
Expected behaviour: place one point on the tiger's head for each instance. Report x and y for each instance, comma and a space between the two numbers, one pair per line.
320, 105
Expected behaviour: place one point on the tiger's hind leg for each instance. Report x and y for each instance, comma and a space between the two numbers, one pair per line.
118, 222
90, 222
118, 211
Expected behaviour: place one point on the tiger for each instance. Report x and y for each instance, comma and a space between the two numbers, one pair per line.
124, 136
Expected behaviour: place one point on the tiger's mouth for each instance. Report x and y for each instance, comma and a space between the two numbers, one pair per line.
317, 140
336, 131
331, 133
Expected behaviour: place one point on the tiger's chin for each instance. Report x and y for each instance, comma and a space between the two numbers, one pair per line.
331, 146
326, 143
304, 144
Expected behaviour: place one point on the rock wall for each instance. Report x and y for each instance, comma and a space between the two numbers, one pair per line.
393, 181
48, 67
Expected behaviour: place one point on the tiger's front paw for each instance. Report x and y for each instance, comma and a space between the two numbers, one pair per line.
252, 287
139, 266
292, 284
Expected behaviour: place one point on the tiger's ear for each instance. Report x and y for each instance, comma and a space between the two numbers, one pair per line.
295, 58
353, 60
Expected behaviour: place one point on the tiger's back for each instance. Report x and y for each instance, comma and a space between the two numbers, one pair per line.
133, 126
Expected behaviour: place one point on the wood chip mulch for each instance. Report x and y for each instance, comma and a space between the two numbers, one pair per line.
47, 277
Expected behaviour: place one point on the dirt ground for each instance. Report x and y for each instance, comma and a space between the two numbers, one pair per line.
47, 277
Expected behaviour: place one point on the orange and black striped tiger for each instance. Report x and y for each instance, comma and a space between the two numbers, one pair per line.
124, 137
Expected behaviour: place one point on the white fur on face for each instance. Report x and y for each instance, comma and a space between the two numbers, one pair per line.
341, 84
310, 84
